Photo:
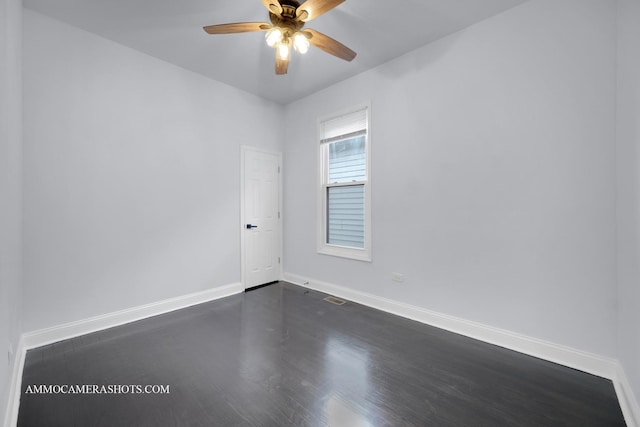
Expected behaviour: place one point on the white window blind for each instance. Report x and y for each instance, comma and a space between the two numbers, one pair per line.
343, 127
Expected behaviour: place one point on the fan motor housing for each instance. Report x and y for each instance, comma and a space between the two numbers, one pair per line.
289, 8
287, 20
293, 3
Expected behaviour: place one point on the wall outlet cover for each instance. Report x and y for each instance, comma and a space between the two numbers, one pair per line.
397, 277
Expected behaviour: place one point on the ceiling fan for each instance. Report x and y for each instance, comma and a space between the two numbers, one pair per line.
285, 30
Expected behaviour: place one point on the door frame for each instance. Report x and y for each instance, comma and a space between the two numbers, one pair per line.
243, 150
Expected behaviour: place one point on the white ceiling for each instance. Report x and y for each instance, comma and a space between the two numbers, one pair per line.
172, 30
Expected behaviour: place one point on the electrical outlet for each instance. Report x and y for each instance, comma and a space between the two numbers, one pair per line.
397, 277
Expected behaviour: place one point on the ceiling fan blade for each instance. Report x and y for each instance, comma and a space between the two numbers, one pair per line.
311, 9
282, 65
273, 6
329, 45
238, 27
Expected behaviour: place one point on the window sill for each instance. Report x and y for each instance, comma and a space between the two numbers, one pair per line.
344, 252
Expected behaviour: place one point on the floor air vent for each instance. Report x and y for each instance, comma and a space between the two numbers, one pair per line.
334, 300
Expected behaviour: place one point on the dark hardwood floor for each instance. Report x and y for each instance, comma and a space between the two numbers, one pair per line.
281, 356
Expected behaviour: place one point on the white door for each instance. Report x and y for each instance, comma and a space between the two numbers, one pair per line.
261, 225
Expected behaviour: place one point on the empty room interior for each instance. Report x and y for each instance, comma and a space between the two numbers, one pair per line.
339, 213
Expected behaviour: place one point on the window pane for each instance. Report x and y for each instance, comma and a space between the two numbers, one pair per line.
347, 160
345, 216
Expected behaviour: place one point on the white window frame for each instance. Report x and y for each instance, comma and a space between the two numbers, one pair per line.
360, 254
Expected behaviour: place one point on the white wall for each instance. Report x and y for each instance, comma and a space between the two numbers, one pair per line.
132, 171
10, 190
493, 175
628, 146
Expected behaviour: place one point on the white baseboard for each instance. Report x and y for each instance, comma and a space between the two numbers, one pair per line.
11, 415
587, 362
86, 326
626, 397
65, 331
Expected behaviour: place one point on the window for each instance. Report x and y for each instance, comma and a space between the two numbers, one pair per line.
344, 204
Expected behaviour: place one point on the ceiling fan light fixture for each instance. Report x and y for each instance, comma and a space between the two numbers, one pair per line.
283, 50
285, 32
300, 43
273, 36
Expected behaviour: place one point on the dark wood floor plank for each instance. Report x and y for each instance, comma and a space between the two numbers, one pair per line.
281, 356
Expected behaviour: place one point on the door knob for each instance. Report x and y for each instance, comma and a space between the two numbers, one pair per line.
249, 226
